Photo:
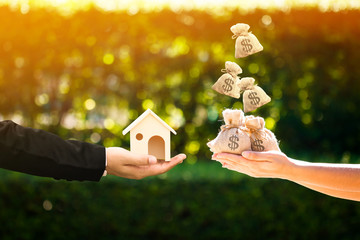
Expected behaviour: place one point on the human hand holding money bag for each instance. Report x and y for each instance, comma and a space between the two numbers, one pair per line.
231, 138
262, 139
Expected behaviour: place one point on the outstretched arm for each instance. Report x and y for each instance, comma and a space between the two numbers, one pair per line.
41, 153
44, 154
339, 180
334, 193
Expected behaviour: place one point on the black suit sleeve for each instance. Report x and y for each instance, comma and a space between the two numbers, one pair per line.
41, 153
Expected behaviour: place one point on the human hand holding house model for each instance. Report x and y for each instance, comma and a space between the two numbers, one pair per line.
123, 163
149, 143
41, 153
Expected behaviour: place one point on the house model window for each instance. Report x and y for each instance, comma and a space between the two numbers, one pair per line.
149, 134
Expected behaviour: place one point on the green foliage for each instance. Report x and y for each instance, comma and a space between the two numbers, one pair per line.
201, 208
90, 74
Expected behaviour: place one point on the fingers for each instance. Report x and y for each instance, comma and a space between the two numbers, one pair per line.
139, 159
236, 159
160, 167
228, 156
256, 164
258, 156
123, 163
249, 155
143, 159
167, 165
244, 169
231, 164
179, 158
239, 164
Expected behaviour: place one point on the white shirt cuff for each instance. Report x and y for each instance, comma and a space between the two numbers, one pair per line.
105, 172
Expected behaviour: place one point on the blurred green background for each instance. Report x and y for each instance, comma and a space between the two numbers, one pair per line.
88, 74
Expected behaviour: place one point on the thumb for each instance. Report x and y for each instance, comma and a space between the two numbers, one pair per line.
252, 155
268, 155
140, 159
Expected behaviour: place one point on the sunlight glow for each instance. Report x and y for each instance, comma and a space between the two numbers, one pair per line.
216, 6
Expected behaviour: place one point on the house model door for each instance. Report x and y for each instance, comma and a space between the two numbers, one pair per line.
156, 146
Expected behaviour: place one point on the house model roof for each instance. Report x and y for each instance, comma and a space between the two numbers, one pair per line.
144, 115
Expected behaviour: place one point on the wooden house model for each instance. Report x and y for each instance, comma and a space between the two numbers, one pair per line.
149, 134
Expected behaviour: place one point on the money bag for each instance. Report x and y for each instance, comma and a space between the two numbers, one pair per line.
231, 138
262, 139
246, 42
253, 96
228, 82
232, 68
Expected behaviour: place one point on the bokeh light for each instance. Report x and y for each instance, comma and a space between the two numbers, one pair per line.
215, 6
84, 70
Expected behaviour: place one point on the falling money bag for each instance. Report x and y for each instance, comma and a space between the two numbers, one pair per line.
253, 96
231, 138
232, 68
228, 82
246, 42
262, 139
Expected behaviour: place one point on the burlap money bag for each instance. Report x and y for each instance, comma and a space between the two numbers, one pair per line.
246, 42
232, 68
228, 85
253, 96
231, 138
262, 139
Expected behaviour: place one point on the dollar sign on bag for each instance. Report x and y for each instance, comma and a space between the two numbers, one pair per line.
228, 86
246, 45
254, 100
257, 145
233, 145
